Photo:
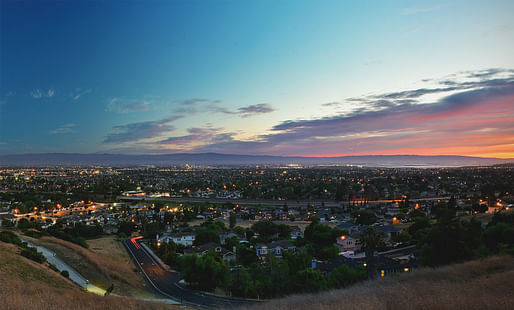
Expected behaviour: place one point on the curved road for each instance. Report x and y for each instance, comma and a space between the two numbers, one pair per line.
166, 282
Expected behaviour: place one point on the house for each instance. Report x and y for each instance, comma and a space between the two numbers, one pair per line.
388, 231
276, 248
279, 247
262, 251
227, 235
296, 232
348, 243
205, 248
351, 228
389, 262
183, 238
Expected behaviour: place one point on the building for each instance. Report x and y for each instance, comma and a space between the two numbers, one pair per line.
348, 243
276, 248
211, 246
185, 239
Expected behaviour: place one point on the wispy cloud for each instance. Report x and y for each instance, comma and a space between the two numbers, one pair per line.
198, 137
38, 93
79, 92
247, 111
121, 105
255, 109
417, 10
472, 114
67, 128
196, 105
141, 130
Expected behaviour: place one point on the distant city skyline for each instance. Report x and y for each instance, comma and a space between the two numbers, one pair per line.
288, 78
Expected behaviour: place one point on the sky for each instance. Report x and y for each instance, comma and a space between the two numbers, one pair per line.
281, 77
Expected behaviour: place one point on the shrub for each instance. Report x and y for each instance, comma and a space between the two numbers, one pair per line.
33, 254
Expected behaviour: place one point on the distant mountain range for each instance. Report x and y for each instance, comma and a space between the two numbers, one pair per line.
215, 159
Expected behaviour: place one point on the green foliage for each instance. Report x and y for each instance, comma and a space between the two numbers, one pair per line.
232, 220
126, 228
205, 235
266, 229
150, 230
245, 256
344, 276
311, 280
53, 267
33, 254
26, 224
168, 254
33, 233
450, 240
500, 237
419, 224
205, 272
65, 273
214, 225
7, 223
67, 234
9, 237
320, 238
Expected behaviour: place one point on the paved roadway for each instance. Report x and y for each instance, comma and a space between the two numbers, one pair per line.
166, 282
290, 203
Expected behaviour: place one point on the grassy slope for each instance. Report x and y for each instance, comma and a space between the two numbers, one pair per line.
105, 259
479, 284
25, 284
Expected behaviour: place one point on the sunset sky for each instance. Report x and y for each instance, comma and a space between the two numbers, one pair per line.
281, 77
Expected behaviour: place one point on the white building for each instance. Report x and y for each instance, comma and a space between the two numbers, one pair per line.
185, 239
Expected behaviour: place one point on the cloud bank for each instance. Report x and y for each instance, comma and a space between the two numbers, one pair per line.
468, 113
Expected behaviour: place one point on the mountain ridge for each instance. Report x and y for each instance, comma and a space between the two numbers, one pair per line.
220, 159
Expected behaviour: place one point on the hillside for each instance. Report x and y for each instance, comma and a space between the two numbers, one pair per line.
101, 264
479, 284
25, 284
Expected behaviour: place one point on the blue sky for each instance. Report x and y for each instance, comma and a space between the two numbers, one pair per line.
232, 76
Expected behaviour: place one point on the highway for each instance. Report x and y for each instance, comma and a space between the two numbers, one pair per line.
166, 282
290, 203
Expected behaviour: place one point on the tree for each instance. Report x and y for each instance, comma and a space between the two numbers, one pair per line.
150, 230
344, 275
266, 229
311, 280
126, 227
370, 240
205, 272
206, 235
232, 220
245, 256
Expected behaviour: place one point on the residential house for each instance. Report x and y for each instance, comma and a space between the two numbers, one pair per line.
205, 248
276, 248
348, 243
183, 238
296, 232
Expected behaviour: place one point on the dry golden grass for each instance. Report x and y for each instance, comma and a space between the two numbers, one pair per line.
27, 285
99, 268
111, 248
480, 284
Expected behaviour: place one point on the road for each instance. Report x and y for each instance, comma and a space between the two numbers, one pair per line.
166, 282
290, 203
